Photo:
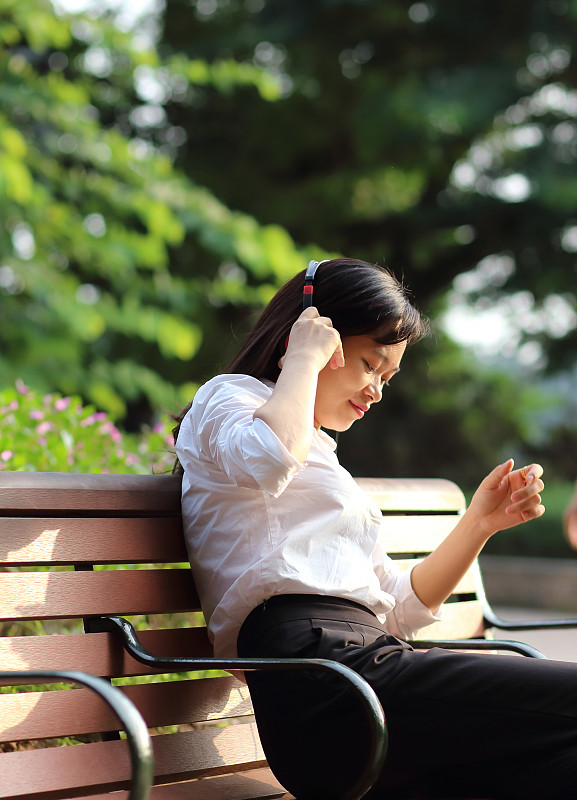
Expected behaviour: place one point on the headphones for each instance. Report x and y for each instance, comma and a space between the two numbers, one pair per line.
308, 296
309, 281
308, 287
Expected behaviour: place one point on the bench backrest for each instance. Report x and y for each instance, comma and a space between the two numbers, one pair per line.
418, 513
74, 546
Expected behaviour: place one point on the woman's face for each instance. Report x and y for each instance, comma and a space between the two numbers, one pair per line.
346, 394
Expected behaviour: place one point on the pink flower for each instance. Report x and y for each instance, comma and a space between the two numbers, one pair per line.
37, 414
44, 427
111, 430
5, 455
21, 387
62, 403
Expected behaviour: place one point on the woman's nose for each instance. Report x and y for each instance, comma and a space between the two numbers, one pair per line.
374, 390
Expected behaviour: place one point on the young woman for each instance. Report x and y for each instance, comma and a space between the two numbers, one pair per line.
283, 546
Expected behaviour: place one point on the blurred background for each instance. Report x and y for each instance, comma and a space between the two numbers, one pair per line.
166, 166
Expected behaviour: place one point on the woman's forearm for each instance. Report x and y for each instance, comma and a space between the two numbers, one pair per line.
435, 578
289, 412
505, 498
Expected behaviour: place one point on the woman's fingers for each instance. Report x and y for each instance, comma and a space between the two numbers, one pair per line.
314, 334
531, 472
528, 482
526, 500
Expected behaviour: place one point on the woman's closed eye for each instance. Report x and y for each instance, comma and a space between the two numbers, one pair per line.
373, 371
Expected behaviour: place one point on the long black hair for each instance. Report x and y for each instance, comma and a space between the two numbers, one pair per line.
360, 299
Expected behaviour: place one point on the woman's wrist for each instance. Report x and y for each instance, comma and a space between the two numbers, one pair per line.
474, 527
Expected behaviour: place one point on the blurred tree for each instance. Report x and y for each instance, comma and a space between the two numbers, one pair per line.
429, 135
437, 137
90, 214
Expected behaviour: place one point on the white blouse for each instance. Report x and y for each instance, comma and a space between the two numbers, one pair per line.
259, 523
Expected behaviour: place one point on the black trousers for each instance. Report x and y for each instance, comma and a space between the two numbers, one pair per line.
460, 725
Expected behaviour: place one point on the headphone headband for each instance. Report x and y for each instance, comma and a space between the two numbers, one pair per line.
308, 287
309, 281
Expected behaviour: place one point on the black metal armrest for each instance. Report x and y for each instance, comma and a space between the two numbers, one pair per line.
137, 735
493, 620
377, 749
479, 644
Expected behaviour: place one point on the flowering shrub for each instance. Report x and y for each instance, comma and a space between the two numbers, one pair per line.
51, 433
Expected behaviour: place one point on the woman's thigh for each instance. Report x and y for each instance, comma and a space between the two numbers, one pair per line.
459, 724
479, 725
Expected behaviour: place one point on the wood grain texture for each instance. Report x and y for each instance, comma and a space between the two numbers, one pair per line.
254, 784
60, 491
99, 653
63, 540
413, 494
104, 766
59, 713
62, 595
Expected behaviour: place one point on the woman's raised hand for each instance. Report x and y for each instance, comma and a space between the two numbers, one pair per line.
508, 497
313, 337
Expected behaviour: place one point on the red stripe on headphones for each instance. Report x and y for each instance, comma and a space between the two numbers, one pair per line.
308, 289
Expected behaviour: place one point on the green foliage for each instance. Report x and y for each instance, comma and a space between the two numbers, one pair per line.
399, 124
427, 136
154, 195
92, 214
53, 433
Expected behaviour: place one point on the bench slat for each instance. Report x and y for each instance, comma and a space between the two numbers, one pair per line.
99, 653
461, 621
134, 495
55, 772
54, 714
254, 784
413, 494
61, 540
415, 533
61, 595
467, 584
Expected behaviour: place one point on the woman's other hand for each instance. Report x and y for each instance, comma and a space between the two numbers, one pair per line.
508, 497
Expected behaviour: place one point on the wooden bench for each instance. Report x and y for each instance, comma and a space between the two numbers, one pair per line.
79, 551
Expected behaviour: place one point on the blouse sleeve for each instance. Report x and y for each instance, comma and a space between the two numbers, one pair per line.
409, 614
224, 430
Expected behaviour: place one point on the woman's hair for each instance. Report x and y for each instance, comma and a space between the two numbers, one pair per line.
359, 298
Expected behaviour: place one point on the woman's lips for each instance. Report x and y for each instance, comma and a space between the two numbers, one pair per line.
360, 409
